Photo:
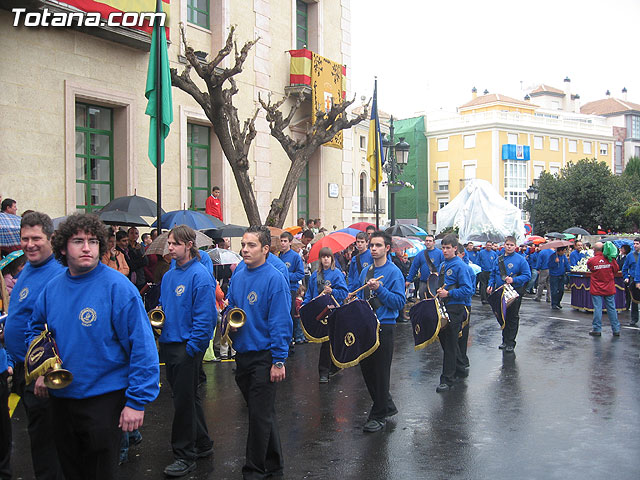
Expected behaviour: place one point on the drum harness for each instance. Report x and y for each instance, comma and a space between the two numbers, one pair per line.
369, 296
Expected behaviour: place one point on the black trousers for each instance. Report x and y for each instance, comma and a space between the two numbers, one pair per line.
452, 360
189, 429
87, 435
264, 452
483, 279
376, 371
325, 364
40, 427
512, 320
5, 428
463, 340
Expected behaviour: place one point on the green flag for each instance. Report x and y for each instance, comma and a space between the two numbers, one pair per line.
158, 60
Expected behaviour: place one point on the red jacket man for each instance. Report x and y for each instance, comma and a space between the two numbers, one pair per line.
602, 273
213, 205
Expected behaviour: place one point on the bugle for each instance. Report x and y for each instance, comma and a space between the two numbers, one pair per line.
232, 318
156, 317
43, 359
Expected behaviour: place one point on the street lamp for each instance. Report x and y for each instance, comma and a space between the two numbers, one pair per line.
532, 194
397, 156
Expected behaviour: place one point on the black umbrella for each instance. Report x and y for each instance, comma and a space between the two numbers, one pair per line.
225, 231
555, 235
133, 204
402, 230
118, 217
576, 231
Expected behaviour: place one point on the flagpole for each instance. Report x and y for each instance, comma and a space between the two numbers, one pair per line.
159, 136
376, 152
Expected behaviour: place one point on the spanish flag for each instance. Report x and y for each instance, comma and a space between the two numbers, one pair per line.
374, 145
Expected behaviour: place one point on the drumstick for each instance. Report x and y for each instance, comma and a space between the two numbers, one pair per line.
365, 285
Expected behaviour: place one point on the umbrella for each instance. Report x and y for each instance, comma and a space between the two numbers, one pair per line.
577, 231
362, 226
335, 241
134, 204
57, 221
556, 244
224, 231
191, 218
275, 236
160, 245
118, 217
349, 230
555, 235
297, 245
221, 256
10, 258
399, 244
416, 247
293, 230
568, 236
535, 239
9, 230
402, 230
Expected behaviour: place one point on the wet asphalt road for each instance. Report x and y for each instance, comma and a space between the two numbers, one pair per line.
565, 406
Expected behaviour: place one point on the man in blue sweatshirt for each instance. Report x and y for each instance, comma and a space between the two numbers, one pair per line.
35, 240
188, 301
295, 266
428, 262
558, 266
629, 274
455, 291
543, 273
513, 269
360, 260
105, 340
262, 347
463, 337
486, 259
387, 298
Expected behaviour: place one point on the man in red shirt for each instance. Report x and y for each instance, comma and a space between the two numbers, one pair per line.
213, 205
602, 289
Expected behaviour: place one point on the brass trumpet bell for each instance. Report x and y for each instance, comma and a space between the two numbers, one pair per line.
58, 377
156, 317
236, 317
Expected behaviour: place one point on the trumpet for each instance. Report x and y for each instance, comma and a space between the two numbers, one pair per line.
156, 317
58, 377
232, 318
43, 358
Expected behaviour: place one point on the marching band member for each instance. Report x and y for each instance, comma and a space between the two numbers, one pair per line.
262, 346
463, 338
427, 262
188, 301
360, 261
513, 269
35, 238
387, 298
104, 337
330, 281
456, 288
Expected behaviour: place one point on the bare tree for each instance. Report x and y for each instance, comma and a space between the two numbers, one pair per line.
235, 140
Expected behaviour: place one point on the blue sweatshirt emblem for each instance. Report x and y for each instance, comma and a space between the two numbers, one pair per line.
179, 290
88, 316
252, 297
23, 294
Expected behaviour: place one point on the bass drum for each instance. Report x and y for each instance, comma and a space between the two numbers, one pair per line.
354, 333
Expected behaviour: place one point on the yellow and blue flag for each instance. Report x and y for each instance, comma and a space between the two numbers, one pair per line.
375, 156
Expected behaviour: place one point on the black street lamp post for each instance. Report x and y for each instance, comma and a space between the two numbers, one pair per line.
532, 193
397, 156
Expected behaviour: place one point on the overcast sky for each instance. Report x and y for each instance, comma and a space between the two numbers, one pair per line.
428, 54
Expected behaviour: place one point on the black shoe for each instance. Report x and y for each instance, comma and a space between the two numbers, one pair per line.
333, 373
374, 425
461, 374
179, 468
509, 349
204, 452
633, 324
502, 346
560, 307
616, 334
443, 387
593, 333
484, 302
555, 307
393, 411
536, 299
324, 379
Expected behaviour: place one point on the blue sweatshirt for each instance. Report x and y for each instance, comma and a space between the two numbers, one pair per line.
187, 296
103, 334
532, 260
630, 265
338, 285
516, 267
472, 274
263, 294
295, 267
543, 258
561, 267
353, 278
576, 256
420, 263
31, 282
486, 259
275, 262
205, 260
457, 272
472, 255
391, 291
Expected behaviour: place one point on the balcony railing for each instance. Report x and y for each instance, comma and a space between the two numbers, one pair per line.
368, 205
441, 185
465, 181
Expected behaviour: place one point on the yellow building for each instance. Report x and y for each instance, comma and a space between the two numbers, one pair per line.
74, 133
510, 142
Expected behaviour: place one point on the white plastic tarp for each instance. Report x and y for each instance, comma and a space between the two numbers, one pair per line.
481, 214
